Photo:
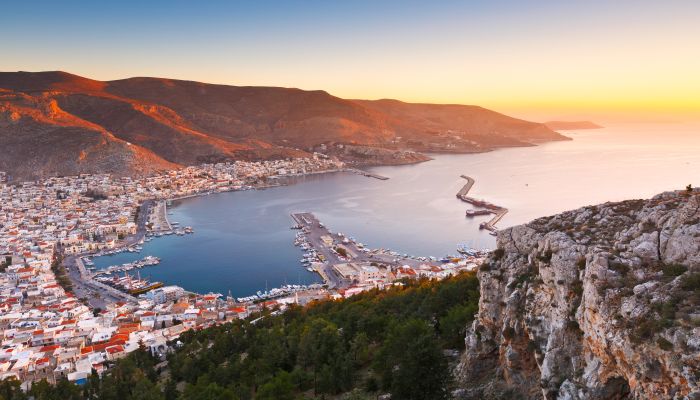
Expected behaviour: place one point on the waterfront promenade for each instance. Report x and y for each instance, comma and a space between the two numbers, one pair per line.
497, 211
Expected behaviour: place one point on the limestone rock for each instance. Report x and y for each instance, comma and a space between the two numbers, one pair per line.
597, 303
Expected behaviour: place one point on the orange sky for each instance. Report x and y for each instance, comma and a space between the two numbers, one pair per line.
539, 59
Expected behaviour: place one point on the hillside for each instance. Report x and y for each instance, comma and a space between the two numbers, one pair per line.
165, 122
597, 303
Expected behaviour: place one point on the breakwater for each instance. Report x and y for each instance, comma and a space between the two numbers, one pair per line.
486, 207
367, 174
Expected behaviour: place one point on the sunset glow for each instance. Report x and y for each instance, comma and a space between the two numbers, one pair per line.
536, 59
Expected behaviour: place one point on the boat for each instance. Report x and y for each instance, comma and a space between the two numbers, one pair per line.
476, 213
144, 289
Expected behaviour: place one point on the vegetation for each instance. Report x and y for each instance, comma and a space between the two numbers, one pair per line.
61, 275
664, 344
95, 194
498, 253
341, 251
674, 270
546, 256
375, 342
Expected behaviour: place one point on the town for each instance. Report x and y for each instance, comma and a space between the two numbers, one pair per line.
62, 318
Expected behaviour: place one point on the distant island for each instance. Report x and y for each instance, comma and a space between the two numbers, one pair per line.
571, 125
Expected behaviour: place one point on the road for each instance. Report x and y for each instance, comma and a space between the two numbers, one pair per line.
98, 295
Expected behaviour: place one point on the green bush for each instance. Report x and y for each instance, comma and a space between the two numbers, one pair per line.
691, 282
664, 344
674, 270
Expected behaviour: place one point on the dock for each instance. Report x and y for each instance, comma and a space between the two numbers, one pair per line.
486, 207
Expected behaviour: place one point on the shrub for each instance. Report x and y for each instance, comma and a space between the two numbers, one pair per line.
498, 253
620, 268
577, 287
508, 332
674, 270
522, 278
573, 326
546, 257
645, 330
664, 344
691, 282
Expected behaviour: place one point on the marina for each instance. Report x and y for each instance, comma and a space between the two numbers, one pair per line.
145, 262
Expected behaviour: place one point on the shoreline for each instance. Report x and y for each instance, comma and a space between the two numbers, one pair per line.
159, 209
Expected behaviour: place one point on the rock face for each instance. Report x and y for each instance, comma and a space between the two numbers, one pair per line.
598, 303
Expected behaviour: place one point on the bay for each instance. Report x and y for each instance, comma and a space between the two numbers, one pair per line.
243, 243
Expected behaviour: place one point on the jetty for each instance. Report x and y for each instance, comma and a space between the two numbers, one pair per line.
484, 207
367, 174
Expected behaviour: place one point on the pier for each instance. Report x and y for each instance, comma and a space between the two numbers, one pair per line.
486, 207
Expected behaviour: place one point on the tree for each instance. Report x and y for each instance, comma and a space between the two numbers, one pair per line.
10, 389
412, 364
208, 391
689, 188
359, 348
279, 388
453, 326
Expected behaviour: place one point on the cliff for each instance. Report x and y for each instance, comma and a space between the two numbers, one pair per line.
598, 303
174, 122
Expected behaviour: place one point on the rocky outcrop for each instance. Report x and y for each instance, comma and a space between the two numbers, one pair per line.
598, 303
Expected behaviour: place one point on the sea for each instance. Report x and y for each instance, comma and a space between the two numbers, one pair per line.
243, 242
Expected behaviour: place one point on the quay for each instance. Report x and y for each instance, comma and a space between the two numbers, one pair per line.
330, 264
96, 293
487, 208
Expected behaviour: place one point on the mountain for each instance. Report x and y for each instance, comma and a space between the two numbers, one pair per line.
571, 125
140, 125
597, 303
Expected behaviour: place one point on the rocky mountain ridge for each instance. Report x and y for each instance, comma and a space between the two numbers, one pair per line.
154, 123
602, 302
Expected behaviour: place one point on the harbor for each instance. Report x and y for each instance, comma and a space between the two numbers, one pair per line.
343, 262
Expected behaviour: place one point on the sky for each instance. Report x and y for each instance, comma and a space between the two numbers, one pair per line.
538, 59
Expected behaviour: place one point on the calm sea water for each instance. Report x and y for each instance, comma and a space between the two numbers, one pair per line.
243, 243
